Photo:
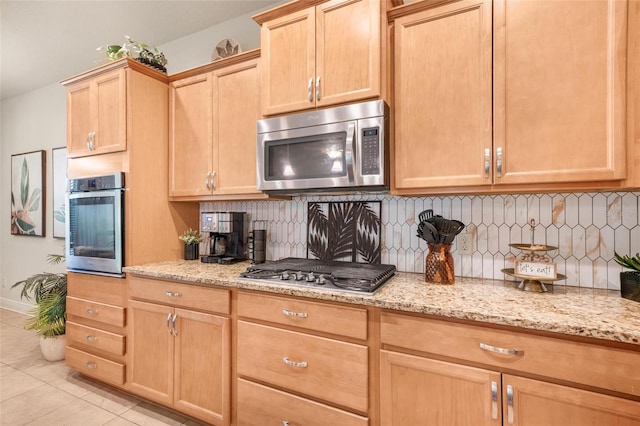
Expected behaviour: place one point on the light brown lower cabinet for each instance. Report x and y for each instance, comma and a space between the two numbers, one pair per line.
435, 384
180, 358
422, 391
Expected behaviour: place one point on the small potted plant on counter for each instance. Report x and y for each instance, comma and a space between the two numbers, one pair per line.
191, 239
629, 280
49, 316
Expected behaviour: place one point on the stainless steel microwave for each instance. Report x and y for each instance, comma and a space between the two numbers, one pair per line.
335, 149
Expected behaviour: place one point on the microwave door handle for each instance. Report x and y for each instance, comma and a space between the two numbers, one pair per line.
350, 150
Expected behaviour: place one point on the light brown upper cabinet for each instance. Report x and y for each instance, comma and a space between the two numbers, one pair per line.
321, 55
443, 97
548, 112
212, 143
96, 114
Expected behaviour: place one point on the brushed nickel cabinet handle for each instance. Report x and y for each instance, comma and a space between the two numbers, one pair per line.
310, 90
287, 361
285, 423
487, 161
510, 414
91, 365
494, 400
173, 324
89, 141
91, 311
206, 181
172, 294
289, 313
168, 322
502, 351
91, 338
318, 89
499, 153
213, 180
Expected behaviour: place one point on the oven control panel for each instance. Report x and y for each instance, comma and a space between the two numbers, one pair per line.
97, 183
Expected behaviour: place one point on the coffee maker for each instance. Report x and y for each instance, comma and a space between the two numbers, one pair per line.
225, 236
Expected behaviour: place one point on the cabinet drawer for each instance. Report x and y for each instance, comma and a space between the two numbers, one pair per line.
92, 337
261, 405
178, 294
95, 366
101, 312
584, 363
341, 320
323, 368
112, 291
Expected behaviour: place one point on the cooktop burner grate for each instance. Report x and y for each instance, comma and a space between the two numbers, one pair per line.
330, 275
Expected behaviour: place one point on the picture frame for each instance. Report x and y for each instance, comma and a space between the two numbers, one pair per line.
59, 172
28, 193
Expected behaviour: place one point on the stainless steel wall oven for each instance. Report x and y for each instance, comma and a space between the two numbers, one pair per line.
95, 225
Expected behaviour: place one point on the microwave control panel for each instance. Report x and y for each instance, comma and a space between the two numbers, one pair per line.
371, 151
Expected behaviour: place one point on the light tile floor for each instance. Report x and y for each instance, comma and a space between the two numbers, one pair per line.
34, 391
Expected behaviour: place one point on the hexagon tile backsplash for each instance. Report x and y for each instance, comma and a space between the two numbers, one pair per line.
586, 227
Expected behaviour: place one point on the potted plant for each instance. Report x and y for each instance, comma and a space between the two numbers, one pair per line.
629, 280
191, 239
138, 51
49, 316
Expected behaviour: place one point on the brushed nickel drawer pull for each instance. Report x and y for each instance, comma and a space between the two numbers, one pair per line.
318, 89
510, 404
172, 294
294, 314
91, 311
494, 400
310, 90
168, 322
502, 351
487, 161
287, 361
285, 423
91, 365
91, 338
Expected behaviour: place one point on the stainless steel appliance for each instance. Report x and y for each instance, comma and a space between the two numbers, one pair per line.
225, 236
95, 225
330, 275
335, 149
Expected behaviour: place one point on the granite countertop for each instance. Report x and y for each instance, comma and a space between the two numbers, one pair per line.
586, 312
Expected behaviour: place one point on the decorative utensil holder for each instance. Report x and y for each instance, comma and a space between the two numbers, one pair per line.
438, 266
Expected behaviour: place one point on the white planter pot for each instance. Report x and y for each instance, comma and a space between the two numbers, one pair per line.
53, 347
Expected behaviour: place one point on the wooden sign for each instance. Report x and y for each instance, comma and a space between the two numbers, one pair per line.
539, 270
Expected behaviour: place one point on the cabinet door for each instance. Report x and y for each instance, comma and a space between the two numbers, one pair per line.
150, 349
559, 90
443, 97
111, 112
96, 109
190, 136
421, 391
236, 103
79, 118
347, 51
538, 403
202, 366
288, 62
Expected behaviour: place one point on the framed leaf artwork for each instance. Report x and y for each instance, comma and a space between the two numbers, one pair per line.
59, 158
28, 193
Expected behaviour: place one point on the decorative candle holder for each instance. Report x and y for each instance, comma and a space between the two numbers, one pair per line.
438, 266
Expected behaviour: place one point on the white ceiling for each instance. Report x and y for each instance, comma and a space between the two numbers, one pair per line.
43, 42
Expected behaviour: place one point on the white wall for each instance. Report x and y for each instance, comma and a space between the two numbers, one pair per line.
31, 122
195, 49
37, 120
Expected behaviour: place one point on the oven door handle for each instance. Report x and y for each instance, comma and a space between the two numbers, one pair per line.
350, 150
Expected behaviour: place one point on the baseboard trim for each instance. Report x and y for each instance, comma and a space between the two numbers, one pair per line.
15, 306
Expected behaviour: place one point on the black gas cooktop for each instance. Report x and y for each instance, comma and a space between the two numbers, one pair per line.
330, 275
